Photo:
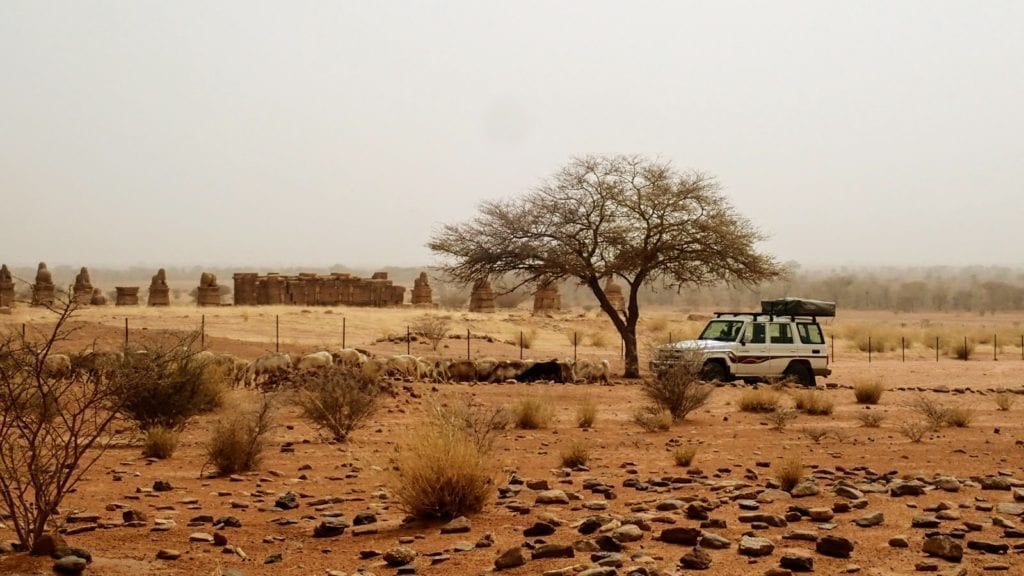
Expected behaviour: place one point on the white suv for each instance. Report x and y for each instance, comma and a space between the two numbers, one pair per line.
783, 341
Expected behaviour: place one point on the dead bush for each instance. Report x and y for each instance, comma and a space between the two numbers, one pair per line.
959, 417
238, 439
779, 419
962, 350
479, 422
586, 413
914, 430
813, 403
868, 391
653, 418
678, 390
532, 414
933, 412
160, 442
759, 400
576, 454
441, 473
871, 419
338, 400
1004, 400
789, 472
816, 434
684, 456
431, 327
167, 384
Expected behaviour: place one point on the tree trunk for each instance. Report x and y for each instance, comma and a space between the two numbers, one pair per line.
632, 357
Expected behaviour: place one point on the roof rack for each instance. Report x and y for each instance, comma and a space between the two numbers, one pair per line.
770, 317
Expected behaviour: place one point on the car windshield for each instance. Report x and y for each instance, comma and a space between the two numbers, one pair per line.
722, 330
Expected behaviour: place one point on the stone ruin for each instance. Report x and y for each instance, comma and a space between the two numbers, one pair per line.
209, 290
6, 287
614, 293
481, 299
98, 298
43, 291
127, 296
159, 293
547, 298
307, 289
422, 294
81, 292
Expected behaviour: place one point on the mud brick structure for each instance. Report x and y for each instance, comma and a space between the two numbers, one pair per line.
307, 289
98, 298
547, 298
614, 293
422, 294
127, 295
209, 290
481, 299
6, 287
43, 291
82, 290
159, 292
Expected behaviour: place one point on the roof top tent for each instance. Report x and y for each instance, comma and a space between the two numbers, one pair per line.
790, 306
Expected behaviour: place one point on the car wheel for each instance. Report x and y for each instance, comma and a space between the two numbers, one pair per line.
712, 372
801, 373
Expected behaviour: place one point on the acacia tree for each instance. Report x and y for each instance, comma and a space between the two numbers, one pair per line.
601, 217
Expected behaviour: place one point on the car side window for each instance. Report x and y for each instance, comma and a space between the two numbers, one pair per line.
810, 333
755, 333
780, 333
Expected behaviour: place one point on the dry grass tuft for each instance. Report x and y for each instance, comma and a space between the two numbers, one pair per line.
914, 431
868, 391
586, 413
160, 442
814, 403
816, 434
779, 419
653, 418
959, 417
871, 419
577, 454
789, 472
532, 414
237, 442
684, 456
1004, 400
759, 400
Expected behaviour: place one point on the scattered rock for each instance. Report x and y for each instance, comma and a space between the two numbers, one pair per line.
943, 547
511, 558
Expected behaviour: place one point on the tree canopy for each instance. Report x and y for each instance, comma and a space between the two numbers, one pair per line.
600, 217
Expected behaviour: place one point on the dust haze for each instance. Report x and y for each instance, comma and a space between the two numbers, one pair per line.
315, 134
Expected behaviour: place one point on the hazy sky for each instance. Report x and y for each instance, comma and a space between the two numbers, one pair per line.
302, 133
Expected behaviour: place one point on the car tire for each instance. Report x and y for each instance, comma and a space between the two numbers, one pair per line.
713, 372
801, 373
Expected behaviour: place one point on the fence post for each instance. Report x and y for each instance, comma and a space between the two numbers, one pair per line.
126, 333
343, 332
574, 347
520, 344
408, 340
468, 336
965, 349
936, 348
903, 348
202, 333
277, 333
995, 346
622, 348
23, 331
669, 337
869, 349
833, 339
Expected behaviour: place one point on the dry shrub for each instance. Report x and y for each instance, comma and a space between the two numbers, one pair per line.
652, 418
1004, 400
684, 456
586, 413
532, 414
816, 434
237, 441
442, 473
338, 399
597, 339
759, 400
577, 454
160, 442
527, 337
878, 338
431, 327
959, 417
868, 391
871, 419
933, 412
479, 422
962, 350
914, 430
813, 403
779, 419
678, 390
789, 472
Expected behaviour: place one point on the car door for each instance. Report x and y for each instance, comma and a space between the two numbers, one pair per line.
752, 353
783, 346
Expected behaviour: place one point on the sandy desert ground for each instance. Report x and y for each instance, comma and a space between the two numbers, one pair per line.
632, 487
